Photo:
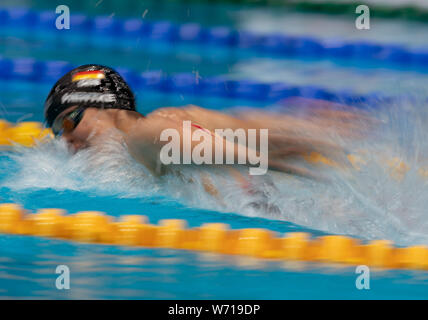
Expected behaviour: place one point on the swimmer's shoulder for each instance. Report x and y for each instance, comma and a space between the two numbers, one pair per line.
125, 119
174, 113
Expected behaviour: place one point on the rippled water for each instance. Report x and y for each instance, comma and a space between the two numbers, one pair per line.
326, 74
28, 264
335, 27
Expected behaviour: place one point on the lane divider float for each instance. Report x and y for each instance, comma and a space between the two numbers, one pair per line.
32, 70
107, 30
25, 133
133, 230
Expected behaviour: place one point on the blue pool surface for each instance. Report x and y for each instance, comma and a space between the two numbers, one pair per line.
103, 272
27, 264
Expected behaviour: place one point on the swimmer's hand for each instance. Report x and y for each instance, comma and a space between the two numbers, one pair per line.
308, 127
296, 170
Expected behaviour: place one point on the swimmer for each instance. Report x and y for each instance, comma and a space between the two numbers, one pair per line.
93, 103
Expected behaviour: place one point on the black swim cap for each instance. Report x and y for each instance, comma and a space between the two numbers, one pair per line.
89, 85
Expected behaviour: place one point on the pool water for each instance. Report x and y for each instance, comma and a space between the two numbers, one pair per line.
100, 271
105, 272
369, 205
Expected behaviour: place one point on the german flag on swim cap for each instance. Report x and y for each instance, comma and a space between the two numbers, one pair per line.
89, 85
84, 75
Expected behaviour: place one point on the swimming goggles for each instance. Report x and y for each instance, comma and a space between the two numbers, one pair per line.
68, 122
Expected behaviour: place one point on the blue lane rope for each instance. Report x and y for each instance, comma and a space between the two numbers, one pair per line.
32, 70
105, 28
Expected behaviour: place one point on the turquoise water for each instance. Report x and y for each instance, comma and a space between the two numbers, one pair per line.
27, 264
50, 177
99, 272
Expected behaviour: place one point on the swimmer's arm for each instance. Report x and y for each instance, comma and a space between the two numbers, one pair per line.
145, 145
209, 119
209, 187
212, 119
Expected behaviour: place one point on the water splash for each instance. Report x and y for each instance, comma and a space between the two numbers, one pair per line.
385, 197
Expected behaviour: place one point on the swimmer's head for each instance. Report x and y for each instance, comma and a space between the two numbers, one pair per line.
88, 86
85, 102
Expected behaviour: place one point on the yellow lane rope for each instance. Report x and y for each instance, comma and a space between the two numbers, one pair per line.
134, 230
24, 133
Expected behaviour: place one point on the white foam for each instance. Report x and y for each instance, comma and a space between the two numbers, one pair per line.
369, 203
